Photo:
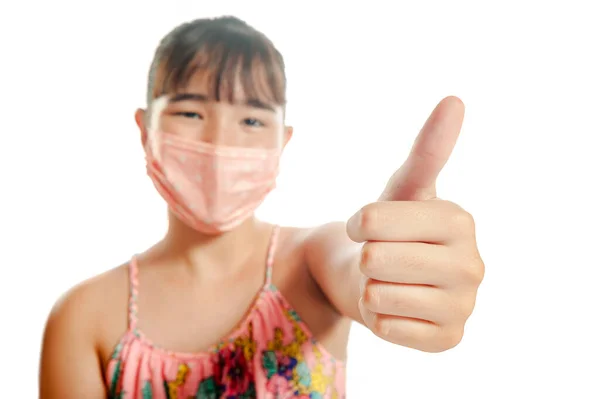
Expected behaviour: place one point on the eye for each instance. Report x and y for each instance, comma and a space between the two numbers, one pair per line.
191, 115
252, 122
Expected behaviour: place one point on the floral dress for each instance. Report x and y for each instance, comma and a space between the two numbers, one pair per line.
271, 355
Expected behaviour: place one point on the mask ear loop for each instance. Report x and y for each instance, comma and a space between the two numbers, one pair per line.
155, 112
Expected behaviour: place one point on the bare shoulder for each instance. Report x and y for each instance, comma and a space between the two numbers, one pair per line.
87, 302
74, 330
92, 312
94, 300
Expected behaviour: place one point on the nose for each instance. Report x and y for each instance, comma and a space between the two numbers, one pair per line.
218, 130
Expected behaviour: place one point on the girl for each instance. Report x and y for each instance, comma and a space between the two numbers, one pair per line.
225, 306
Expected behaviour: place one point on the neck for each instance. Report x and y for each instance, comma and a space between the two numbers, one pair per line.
223, 252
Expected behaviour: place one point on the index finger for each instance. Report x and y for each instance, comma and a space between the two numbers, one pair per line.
406, 221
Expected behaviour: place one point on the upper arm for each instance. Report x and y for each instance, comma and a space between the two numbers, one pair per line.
333, 260
70, 366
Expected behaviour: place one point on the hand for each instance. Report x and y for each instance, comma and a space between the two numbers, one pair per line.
420, 263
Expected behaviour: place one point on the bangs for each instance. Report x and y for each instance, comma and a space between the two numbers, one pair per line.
230, 60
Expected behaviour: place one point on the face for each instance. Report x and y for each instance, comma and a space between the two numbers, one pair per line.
245, 122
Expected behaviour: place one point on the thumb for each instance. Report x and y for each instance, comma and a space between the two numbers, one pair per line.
415, 179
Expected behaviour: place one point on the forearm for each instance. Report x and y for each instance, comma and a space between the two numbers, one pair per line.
333, 260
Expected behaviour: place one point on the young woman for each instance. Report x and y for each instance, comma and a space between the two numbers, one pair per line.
227, 306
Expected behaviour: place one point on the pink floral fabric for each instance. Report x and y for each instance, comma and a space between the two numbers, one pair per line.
271, 355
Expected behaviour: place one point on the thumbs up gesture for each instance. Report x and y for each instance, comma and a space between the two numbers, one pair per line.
420, 263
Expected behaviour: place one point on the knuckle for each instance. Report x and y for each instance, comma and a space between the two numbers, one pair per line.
451, 338
464, 308
478, 271
372, 295
469, 307
366, 258
480, 265
473, 271
463, 222
381, 326
368, 218
369, 256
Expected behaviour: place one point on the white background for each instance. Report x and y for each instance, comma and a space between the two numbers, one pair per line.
75, 199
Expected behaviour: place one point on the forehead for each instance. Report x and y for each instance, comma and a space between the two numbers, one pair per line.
217, 88
229, 79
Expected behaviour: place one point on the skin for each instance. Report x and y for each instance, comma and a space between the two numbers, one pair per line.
406, 266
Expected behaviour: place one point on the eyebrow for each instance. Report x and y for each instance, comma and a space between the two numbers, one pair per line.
252, 102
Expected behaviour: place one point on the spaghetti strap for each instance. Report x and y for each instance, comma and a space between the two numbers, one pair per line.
133, 294
271, 255
137, 365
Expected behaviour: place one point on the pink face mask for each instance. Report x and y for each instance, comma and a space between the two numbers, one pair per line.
209, 187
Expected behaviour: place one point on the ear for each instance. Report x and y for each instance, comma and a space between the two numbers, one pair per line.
287, 135
140, 120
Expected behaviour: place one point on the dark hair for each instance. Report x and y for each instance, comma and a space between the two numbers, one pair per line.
228, 49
